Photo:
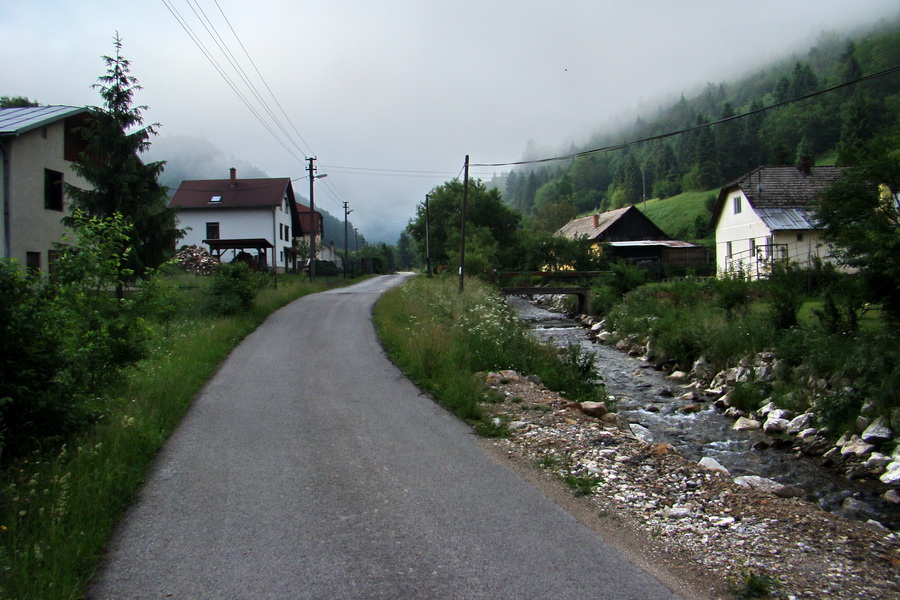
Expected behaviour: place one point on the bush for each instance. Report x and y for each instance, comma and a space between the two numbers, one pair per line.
233, 289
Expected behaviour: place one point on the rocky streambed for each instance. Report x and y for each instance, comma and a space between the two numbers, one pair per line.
771, 448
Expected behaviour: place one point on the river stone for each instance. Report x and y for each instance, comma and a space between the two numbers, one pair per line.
690, 408
756, 482
713, 465
775, 425
516, 425
877, 432
745, 424
877, 459
677, 376
891, 475
734, 412
641, 432
702, 369
780, 413
800, 423
677, 511
765, 410
594, 409
856, 446
892, 496
807, 433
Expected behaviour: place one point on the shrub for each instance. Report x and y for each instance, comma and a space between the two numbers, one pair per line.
233, 289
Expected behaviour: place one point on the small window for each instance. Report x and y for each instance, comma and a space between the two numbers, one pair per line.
737, 205
752, 247
800, 237
728, 249
53, 190
212, 231
215, 199
33, 261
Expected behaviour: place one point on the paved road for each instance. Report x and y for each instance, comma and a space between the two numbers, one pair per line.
309, 467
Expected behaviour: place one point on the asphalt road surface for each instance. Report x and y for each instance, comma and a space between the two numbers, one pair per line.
309, 467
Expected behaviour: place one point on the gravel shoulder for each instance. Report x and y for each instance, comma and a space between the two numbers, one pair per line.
691, 527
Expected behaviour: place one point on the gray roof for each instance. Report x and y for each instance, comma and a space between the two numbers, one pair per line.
16, 121
652, 243
788, 218
584, 226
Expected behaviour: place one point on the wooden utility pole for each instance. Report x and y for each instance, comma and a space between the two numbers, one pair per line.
346, 252
462, 243
427, 241
312, 220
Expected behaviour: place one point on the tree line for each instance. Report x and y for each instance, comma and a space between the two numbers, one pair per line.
824, 127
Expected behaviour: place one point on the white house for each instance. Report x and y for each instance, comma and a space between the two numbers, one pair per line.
768, 215
37, 146
239, 217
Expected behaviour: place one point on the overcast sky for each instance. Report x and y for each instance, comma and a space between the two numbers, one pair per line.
372, 88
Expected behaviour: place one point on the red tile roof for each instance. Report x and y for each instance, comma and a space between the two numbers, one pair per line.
231, 193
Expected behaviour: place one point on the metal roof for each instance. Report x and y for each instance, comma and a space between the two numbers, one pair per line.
650, 243
787, 218
16, 121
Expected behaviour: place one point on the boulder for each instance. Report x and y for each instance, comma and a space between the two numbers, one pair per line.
892, 496
745, 424
878, 432
678, 376
594, 409
756, 482
891, 475
800, 423
702, 369
856, 446
641, 432
774, 425
690, 408
677, 511
516, 425
764, 410
876, 460
713, 465
780, 413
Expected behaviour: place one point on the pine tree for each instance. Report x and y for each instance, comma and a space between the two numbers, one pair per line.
114, 138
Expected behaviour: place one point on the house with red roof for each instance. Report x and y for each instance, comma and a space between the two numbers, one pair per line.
769, 215
252, 219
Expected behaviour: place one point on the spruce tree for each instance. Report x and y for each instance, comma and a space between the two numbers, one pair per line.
114, 138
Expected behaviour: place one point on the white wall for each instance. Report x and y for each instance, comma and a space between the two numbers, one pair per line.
238, 224
739, 229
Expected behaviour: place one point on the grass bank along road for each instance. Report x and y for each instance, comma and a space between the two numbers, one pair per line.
309, 467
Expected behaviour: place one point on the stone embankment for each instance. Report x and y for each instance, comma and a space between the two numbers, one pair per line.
735, 531
869, 451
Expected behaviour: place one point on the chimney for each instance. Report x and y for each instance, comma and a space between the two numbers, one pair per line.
596, 220
805, 165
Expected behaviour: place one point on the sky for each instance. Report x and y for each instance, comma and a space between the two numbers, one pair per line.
391, 96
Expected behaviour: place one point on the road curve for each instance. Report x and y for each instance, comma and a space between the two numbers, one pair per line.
309, 467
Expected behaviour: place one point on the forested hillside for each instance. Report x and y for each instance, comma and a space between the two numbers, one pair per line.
823, 127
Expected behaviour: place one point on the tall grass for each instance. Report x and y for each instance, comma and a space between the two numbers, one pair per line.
441, 339
58, 506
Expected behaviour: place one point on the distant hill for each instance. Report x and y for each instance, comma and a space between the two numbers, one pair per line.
824, 127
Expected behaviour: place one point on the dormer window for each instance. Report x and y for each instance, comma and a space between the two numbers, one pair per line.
737, 205
215, 199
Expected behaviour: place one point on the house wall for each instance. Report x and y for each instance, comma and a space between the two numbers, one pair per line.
240, 224
33, 228
739, 229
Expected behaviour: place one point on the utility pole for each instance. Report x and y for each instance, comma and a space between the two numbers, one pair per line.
346, 253
427, 241
356, 234
462, 243
313, 226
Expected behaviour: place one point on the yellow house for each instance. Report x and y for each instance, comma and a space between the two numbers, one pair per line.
37, 146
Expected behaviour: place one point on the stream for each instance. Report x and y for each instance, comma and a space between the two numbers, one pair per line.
644, 396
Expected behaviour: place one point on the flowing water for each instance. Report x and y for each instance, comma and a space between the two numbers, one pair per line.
644, 396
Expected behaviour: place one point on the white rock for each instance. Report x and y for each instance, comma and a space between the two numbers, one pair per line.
807, 433
775, 425
756, 482
877, 459
678, 375
799, 423
877, 432
780, 413
856, 446
745, 424
723, 521
518, 425
677, 511
713, 465
765, 410
891, 475
641, 432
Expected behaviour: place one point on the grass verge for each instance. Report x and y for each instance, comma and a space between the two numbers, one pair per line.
58, 506
442, 338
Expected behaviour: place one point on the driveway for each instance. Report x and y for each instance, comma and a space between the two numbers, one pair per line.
310, 467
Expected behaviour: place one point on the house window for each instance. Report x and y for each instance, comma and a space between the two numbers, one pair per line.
215, 199
800, 237
737, 205
33, 261
212, 231
728, 250
53, 190
752, 247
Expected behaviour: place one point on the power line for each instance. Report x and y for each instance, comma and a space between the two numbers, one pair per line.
661, 136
